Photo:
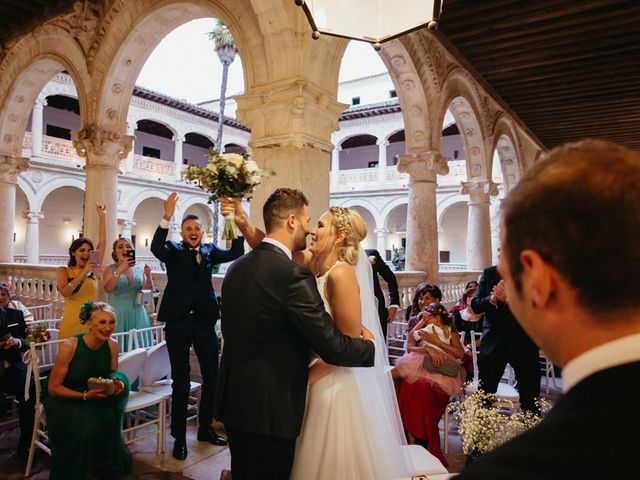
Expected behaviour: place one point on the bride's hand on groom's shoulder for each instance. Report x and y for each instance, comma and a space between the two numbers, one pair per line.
366, 334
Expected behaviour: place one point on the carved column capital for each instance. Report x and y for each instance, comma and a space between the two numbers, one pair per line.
11, 166
381, 231
40, 103
423, 166
101, 147
290, 113
33, 217
479, 190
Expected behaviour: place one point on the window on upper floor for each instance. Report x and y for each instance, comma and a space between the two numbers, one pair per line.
150, 152
455, 154
393, 94
372, 164
355, 101
58, 132
445, 256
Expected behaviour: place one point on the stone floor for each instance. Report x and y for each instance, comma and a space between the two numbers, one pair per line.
205, 461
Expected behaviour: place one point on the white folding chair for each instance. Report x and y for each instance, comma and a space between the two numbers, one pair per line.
507, 397
41, 358
125, 341
147, 337
155, 378
454, 398
131, 364
549, 372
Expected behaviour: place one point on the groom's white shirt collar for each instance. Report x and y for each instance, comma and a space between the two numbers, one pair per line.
280, 245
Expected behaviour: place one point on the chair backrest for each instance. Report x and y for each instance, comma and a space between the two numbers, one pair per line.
475, 336
125, 341
41, 312
147, 337
157, 365
131, 363
41, 358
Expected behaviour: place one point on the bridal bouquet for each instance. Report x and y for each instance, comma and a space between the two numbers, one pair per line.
37, 334
483, 426
227, 175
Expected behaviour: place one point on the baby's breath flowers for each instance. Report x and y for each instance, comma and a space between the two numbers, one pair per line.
483, 426
227, 175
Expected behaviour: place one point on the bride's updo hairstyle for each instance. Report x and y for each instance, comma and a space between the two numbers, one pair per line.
349, 222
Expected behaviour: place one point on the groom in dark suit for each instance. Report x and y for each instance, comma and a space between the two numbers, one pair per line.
13, 371
273, 318
190, 310
571, 264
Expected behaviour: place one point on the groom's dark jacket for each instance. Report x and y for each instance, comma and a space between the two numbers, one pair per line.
272, 318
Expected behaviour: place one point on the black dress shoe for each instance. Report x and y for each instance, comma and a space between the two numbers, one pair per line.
208, 434
180, 449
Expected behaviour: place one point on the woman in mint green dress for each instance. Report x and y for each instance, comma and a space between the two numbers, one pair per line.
123, 280
84, 425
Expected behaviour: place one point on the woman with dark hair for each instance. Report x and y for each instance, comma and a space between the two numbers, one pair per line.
123, 281
77, 282
83, 421
464, 318
426, 294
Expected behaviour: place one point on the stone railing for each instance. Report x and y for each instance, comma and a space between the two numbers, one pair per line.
367, 178
453, 267
53, 147
44, 259
153, 167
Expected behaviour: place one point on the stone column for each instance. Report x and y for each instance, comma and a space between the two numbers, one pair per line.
10, 168
177, 155
291, 124
103, 151
381, 236
32, 236
335, 166
131, 130
479, 223
382, 161
422, 224
127, 228
37, 121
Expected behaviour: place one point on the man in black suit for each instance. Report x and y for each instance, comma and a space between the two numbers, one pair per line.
504, 341
190, 310
386, 314
571, 263
13, 372
273, 316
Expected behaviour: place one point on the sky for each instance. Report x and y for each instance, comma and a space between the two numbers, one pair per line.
185, 66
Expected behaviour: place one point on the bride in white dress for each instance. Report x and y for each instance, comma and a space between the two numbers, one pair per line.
352, 427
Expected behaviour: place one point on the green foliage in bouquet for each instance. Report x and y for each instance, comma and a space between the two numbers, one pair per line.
227, 175
483, 426
37, 334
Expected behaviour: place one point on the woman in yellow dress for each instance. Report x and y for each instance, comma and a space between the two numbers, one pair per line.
78, 281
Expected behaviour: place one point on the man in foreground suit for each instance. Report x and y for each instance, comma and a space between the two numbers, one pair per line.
13, 371
273, 318
386, 314
504, 341
190, 310
571, 261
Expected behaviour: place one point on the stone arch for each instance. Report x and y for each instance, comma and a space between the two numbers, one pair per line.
403, 58
134, 202
31, 62
455, 241
393, 132
267, 34
192, 201
63, 217
52, 184
391, 205
351, 135
363, 204
508, 149
459, 98
152, 118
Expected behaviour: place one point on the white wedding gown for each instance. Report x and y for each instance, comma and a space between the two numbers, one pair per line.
352, 427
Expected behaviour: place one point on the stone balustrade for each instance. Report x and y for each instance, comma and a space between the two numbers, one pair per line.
153, 167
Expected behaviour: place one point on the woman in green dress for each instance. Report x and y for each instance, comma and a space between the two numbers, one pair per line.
84, 425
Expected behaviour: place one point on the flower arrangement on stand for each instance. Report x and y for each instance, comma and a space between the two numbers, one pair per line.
483, 426
227, 175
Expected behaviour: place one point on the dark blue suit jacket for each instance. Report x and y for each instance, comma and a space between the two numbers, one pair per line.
189, 285
12, 322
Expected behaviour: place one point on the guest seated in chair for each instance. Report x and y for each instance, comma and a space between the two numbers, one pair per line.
7, 302
84, 423
430, 374
13, 372
426, 293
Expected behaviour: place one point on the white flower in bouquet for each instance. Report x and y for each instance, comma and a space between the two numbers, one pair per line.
227, 175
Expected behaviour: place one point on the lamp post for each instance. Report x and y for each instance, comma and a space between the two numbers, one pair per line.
372, 21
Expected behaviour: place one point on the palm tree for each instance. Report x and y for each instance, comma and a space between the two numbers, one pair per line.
226, 49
